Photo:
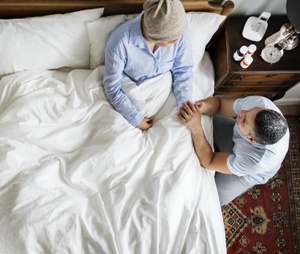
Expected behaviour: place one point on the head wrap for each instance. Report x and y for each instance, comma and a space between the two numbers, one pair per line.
164, 20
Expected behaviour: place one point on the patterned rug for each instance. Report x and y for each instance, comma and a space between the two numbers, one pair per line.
266, 219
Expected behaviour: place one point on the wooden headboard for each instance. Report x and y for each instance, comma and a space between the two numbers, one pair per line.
29, 8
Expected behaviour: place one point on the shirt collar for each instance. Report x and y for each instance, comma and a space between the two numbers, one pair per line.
135, 34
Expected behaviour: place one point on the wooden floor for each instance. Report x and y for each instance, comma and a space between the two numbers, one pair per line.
290, 110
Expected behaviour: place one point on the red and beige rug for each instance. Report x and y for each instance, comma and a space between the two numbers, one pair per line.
266, 219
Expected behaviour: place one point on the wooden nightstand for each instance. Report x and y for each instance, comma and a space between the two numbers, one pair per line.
260, 78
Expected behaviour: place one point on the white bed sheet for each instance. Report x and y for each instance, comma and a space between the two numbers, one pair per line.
75, 177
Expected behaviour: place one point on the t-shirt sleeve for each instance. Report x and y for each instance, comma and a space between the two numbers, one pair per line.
253, 102
241, 166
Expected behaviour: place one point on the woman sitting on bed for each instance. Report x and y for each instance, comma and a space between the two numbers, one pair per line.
153, 43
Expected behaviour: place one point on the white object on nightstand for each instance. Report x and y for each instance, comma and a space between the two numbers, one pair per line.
255, 28
272, 53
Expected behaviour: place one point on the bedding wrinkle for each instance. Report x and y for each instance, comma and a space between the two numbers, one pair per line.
76, 177
169, 166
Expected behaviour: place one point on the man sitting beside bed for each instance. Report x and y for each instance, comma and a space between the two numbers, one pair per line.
150, 45
251, 147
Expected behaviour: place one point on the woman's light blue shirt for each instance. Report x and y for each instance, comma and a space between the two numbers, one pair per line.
127, 53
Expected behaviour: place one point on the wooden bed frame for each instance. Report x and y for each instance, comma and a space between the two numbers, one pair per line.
29, 8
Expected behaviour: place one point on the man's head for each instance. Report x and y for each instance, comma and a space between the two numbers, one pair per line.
263, 126
164, 20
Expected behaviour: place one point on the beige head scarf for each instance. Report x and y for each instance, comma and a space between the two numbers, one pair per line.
164, 20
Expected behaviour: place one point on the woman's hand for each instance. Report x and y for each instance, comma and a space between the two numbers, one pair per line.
145, 124
190, 115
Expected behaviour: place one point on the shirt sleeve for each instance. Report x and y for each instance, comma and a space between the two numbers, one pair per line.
250, 102
115, 61
182, 70
242, 165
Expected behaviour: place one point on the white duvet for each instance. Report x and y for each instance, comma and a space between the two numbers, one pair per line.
75, 177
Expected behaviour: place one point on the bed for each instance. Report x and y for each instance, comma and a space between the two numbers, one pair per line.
75, 176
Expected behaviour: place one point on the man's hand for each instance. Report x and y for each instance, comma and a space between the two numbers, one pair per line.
145, 124
190, 115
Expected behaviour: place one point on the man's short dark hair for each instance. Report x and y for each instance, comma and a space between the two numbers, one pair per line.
269, 127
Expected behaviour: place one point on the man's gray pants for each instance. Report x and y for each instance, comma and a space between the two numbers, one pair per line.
229, 186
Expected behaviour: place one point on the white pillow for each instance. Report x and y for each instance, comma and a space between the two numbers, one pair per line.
204, 79
202, 26
48, 42
98, 31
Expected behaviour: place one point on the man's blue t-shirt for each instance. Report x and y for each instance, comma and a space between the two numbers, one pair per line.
255, 163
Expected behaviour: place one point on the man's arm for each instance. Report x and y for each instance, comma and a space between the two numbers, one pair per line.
214, 161
215, 105
190, 115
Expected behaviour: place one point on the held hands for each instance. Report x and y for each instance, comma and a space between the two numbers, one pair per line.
190, 115
145, 124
